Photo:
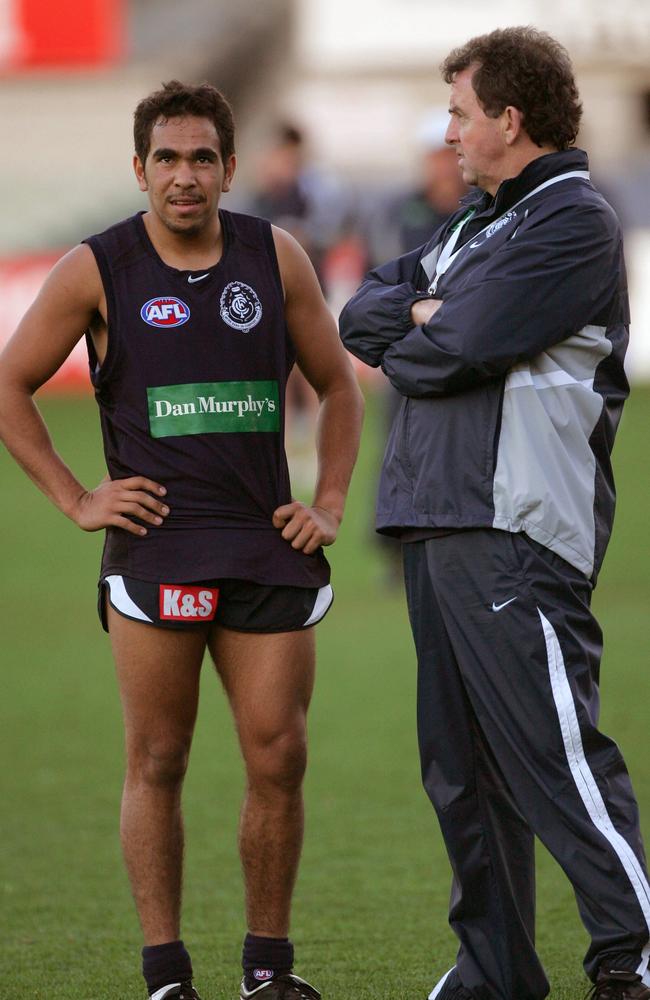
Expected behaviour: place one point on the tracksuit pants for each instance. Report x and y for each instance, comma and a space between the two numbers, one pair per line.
508, 663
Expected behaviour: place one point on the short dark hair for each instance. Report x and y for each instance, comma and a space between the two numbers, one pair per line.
176, 99
529, 70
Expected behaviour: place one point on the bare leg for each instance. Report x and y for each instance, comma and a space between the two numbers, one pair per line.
158, 673
269, 680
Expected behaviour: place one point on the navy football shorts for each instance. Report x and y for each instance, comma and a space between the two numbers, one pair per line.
236, 604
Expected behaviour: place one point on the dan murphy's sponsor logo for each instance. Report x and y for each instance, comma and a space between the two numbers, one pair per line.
165, 311
213, 408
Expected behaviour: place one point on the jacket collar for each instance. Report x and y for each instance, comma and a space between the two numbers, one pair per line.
536, 172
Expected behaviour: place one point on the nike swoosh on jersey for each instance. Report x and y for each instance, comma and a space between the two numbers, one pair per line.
499, 607
193, 281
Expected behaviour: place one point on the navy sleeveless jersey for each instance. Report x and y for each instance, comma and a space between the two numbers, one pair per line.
191, 394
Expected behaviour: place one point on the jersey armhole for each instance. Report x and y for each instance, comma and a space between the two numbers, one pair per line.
99, 373
269, 243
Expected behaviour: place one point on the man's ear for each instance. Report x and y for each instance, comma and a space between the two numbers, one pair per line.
230, 167
138, 168
513, 126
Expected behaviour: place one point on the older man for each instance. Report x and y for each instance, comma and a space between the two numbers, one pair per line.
505, 334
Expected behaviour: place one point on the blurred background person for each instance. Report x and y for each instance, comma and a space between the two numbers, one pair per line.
296, 194
440, 186
411, 214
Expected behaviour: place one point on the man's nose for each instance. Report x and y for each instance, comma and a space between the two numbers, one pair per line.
184, 174
451, 135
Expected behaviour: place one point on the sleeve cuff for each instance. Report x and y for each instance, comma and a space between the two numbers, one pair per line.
405, 315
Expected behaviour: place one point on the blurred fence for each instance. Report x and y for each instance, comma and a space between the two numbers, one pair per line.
20, 280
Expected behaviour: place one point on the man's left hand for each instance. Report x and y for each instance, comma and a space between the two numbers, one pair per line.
423, 309
307, 528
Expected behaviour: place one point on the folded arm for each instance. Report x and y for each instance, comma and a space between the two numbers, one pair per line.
380, 311
535, 291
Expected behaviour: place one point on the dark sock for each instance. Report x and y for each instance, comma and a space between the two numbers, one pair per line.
165, 963
264, 958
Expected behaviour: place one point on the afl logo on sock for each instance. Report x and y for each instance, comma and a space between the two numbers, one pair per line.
240, 307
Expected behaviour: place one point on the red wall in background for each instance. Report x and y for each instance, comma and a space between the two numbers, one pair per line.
61, 34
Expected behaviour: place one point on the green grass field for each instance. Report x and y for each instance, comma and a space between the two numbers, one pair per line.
370, 907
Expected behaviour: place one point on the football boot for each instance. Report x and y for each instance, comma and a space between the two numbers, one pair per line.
176, 991
285, 987
618, 984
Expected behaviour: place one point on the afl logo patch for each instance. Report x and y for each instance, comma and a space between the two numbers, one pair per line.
165, 311
240, 306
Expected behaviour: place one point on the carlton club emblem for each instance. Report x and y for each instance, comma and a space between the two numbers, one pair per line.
240, 306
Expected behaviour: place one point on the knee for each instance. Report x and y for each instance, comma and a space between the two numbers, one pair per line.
161, 762
277, 762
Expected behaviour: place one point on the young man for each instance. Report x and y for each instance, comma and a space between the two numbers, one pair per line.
194, 317
505, 335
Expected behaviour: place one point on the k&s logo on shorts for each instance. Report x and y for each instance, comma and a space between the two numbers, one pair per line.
179, 603
165, 311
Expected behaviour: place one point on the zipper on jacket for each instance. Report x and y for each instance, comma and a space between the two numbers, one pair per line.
497, 429
406, 425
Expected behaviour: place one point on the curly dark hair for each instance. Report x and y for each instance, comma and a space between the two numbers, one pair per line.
529, 70
176, 99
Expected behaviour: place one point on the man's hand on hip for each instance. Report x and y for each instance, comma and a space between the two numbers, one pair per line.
107, 505
307, 528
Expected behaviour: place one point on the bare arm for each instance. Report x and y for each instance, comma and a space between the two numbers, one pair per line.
70, 300
327, 368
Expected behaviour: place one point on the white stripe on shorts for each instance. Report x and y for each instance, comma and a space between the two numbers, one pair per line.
324, 598
121, 600
436, 989
585, 781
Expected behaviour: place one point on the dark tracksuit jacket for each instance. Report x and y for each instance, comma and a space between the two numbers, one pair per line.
512, 395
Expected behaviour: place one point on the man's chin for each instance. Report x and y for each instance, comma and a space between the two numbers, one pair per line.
185, 227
